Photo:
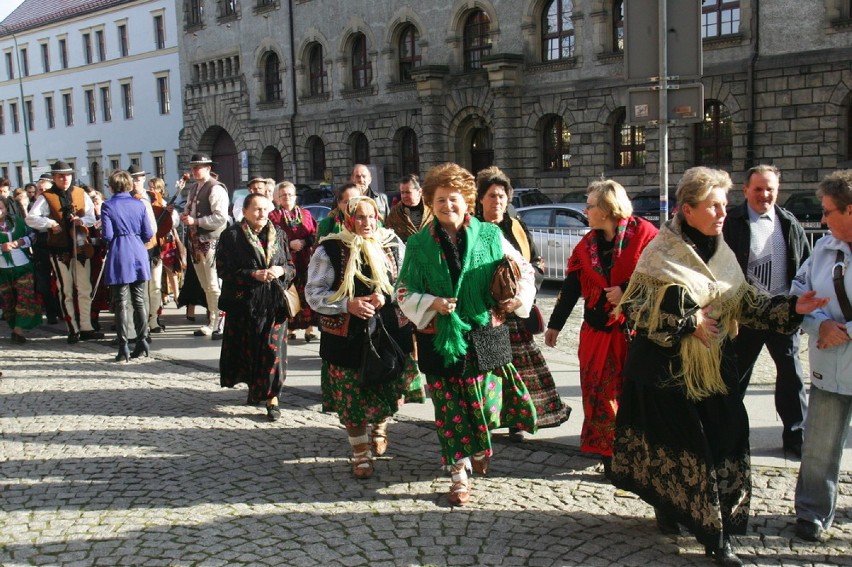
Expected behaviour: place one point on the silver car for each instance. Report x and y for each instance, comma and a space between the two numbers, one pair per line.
555, 229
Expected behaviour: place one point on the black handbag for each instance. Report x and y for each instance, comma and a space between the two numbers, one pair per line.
492, 346
382, 360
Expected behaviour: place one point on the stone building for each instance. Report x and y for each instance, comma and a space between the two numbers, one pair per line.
92, 82
302, 89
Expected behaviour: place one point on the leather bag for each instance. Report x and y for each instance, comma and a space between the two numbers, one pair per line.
294, 304
505, 282
383, 360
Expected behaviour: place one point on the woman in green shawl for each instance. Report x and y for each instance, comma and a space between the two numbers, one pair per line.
21, 307
444, 289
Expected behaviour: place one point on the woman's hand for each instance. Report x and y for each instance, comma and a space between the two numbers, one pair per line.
361, 307
377, 300
613, 294
444, 305
297, 245
268, 274
550, 336
832, 334
509, 305
6, 247
808, 301
706, 328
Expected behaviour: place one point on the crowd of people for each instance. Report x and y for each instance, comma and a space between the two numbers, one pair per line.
404, 298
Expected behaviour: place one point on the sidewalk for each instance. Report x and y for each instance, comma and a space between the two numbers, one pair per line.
152, 463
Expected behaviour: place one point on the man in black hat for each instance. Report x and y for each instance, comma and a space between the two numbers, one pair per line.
64, 212
205, 216
155, 298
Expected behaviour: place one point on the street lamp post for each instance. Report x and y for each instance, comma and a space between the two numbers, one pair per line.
23, 104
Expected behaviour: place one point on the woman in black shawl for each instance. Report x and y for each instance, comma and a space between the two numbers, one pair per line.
253, 261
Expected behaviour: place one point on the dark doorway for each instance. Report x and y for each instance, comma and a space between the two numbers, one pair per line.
227, 161
481, 150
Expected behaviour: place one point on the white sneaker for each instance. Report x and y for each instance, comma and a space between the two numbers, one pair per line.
204, 331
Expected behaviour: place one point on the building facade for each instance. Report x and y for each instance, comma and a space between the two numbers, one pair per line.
101, 88
302, 89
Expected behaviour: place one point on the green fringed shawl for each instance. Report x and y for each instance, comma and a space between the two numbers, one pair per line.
425, 270
19, 230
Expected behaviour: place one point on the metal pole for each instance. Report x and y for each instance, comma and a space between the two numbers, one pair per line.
23, 104
664, 112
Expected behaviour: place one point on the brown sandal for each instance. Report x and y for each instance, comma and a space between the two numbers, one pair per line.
362, 463
460, 488
379, 439
479, 463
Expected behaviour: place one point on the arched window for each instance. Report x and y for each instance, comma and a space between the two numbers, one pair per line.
557, 30
719, 17
714, 137
618, 25
556, 144
360, 148
628, 143
477, 42
409, 55
316, 70
409, 156
362, 72
272, 78
316, 149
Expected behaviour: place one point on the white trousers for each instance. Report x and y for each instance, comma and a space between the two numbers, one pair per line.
77, 318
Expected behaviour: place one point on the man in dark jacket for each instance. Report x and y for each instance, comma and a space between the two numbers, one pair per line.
770, 245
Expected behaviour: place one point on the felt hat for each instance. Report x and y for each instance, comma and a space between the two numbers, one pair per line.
200, 159
61, 167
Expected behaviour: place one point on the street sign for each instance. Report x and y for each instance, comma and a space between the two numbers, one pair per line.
685, 104
642, 39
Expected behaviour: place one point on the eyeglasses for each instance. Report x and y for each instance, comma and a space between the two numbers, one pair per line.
827, 213
590, 207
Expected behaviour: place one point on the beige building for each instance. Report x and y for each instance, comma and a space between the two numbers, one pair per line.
302, 89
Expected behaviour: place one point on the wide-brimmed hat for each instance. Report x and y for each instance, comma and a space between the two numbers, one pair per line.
61, 167
135, 171
45, 177
200, 159
256, 179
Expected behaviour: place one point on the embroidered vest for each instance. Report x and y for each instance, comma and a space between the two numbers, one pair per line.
61, 241
199, 198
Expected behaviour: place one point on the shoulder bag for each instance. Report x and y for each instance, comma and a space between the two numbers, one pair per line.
382, 360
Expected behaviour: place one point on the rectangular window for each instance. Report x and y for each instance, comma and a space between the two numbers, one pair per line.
160, 166
163, 94
48, 112
122, 40
90, 105
106, 103
68, 109
25, 63
10, 66
194, 11
28, 115
101, 43
159, 32
2, 122
127, 100
114, 163
87, 47
63, 53
13, 111
45, 57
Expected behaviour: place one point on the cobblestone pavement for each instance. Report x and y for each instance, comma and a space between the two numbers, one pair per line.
151, 463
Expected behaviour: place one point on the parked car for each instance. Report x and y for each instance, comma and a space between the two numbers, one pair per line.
319, 212
647, 205
237, 198
806, 208
574, 197
527, 197
555, 229
313, 195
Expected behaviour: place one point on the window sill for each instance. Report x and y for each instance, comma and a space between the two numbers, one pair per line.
355, 93
723, 41
611, 57
550, 66
403, 86
311, 99
191, 28
842, 23
271, 7
268, 105
227, 19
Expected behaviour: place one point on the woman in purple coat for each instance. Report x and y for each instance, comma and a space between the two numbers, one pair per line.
125, 227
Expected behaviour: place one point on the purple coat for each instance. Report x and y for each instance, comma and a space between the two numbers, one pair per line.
126, 228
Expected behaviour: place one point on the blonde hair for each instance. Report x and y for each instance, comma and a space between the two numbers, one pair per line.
696, 184
612, 198
450, 176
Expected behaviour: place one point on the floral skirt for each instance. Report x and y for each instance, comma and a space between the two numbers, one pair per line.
691, 459
532, 368
467, 408
254, 357
358, 405
21, 305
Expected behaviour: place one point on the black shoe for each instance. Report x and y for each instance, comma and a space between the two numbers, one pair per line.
516, 435
123, 353
52, 320
18, 339
665, 523
73, 338
273, 413
141, 348
809, 531
723, 555
794, 447
216, 335
251, 401
96, 325
607, 467
158, 329
90, 335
